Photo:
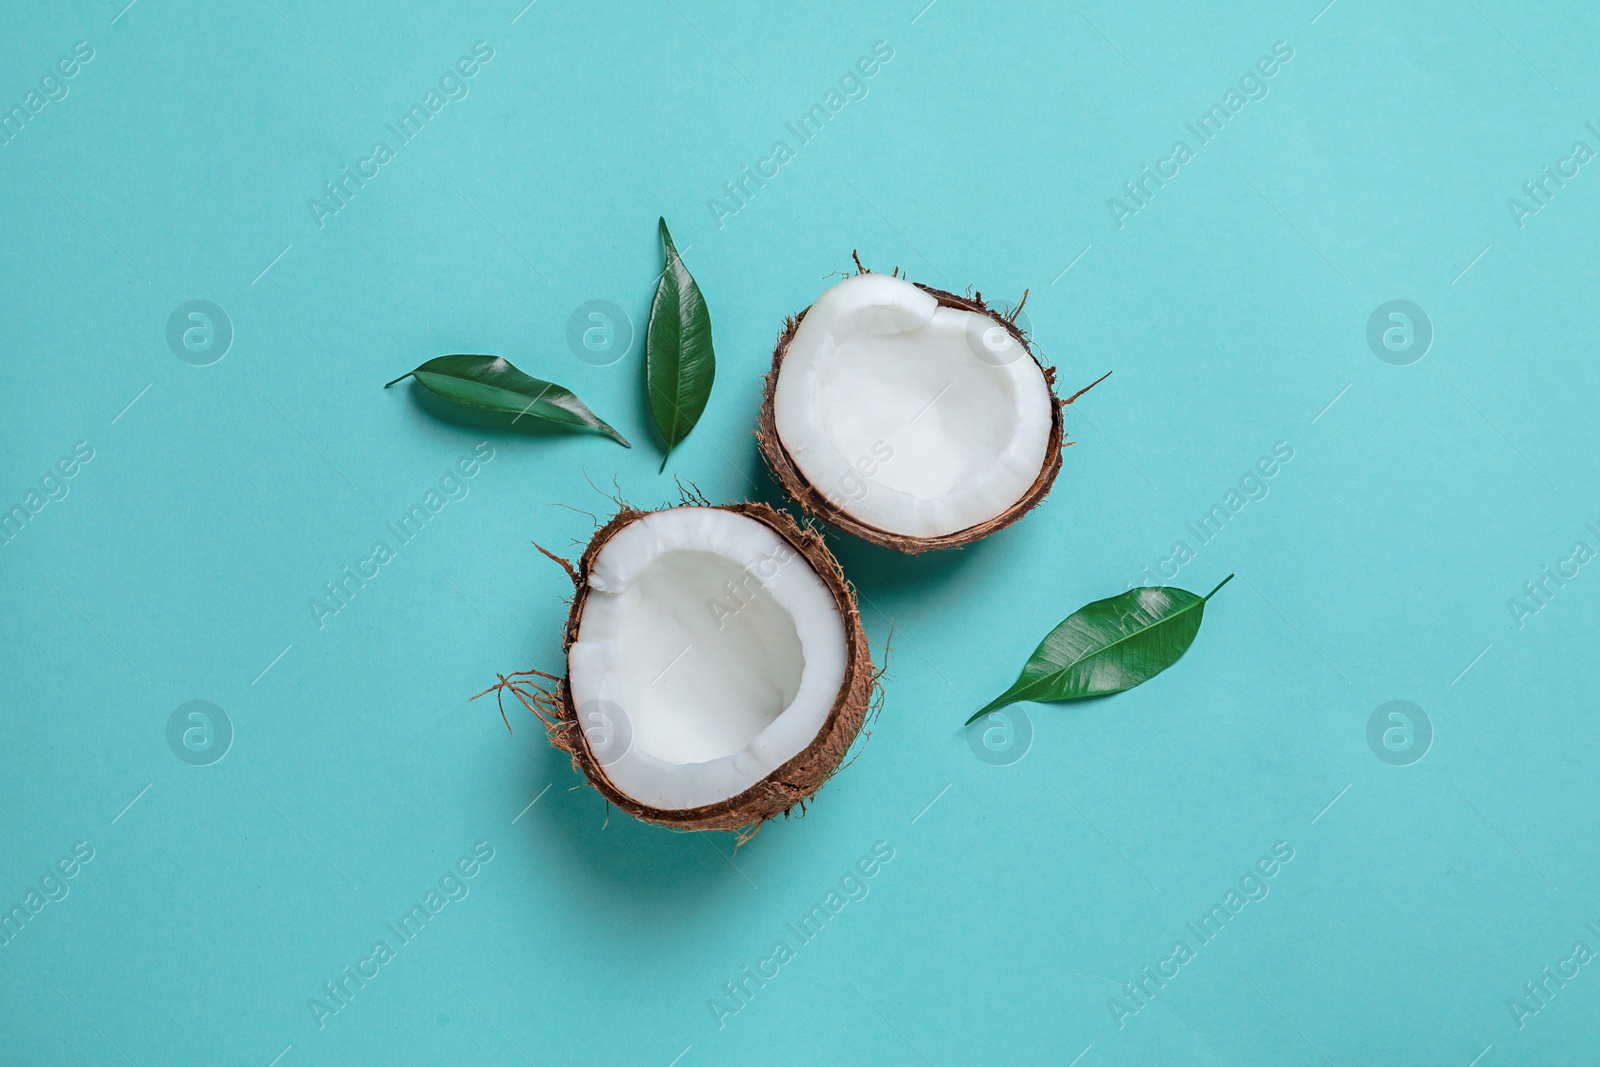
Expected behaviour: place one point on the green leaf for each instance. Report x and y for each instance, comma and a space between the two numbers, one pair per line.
678, 361
1109, 645
490, 382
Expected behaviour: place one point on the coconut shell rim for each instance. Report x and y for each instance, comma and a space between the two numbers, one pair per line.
814, 502
796, 780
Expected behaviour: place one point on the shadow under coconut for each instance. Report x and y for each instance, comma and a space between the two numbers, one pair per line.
876, 570
488, 423
635, 870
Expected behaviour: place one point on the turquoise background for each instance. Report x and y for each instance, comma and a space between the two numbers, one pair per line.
1233, 308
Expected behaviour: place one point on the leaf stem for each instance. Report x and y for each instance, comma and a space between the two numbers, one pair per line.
1213, 592
402, 378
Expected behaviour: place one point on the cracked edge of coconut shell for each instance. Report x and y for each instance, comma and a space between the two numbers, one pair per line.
791, 784
814, 502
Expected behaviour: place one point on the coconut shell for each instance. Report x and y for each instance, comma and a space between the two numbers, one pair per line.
792, 783
814, 502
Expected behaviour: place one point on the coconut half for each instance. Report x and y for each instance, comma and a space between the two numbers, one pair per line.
717, 669
909, 416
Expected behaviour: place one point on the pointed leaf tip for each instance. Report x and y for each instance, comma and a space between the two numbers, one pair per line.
1109, 646
993, 705
492, 383
679, 361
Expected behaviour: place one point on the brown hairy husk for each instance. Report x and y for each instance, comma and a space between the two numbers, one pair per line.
791, 785
814, 502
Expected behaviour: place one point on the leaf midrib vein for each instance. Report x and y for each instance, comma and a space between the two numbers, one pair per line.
1108, 647
676, 400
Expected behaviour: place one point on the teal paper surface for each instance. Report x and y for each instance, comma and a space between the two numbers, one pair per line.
1341, 260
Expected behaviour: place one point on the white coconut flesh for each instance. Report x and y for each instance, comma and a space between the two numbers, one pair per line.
709, 654
912, 418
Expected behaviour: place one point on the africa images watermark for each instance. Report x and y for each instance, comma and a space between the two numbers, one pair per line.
1252, 487
453, 886
52, 487
53, 88
1539, 992
1537, 193
1253, 885
452, 87
742, 594
453, 486
852, 886
1537, 593
852, 86
1251, 86
51, 889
